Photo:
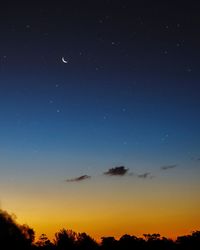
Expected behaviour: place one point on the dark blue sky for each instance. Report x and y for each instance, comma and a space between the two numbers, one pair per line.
131, 82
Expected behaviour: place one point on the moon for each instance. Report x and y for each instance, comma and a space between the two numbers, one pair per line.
63, 60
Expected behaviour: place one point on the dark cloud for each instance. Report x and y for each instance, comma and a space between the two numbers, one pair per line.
168, 167
80, 178
121, 170
144, 176
195, 158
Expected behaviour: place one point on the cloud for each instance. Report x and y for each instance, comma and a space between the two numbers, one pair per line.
121, 170
144, 176
195, 158
80, 178
168, 167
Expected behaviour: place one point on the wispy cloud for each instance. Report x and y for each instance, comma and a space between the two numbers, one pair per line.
80, 178
144, 176
195, 158
166, 167
121, 170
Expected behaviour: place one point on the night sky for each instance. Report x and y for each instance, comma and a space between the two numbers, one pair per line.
100, 116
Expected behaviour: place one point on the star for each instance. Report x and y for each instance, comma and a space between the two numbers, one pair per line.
165, 137
189, 70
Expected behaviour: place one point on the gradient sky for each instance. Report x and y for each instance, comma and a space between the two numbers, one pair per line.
129, 95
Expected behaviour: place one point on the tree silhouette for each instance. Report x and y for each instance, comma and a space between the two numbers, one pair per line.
108, 243
14, 236
127, 242
44, 243
156, 242
85, 242
191, 242
65, 239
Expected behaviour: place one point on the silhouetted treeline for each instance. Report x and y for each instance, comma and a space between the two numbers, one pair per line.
14, 236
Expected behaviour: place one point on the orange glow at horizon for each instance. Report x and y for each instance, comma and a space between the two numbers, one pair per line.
108, 210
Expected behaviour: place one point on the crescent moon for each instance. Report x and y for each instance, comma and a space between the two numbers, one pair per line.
63, 60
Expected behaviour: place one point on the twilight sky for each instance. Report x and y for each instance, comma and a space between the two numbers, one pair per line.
108, 142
